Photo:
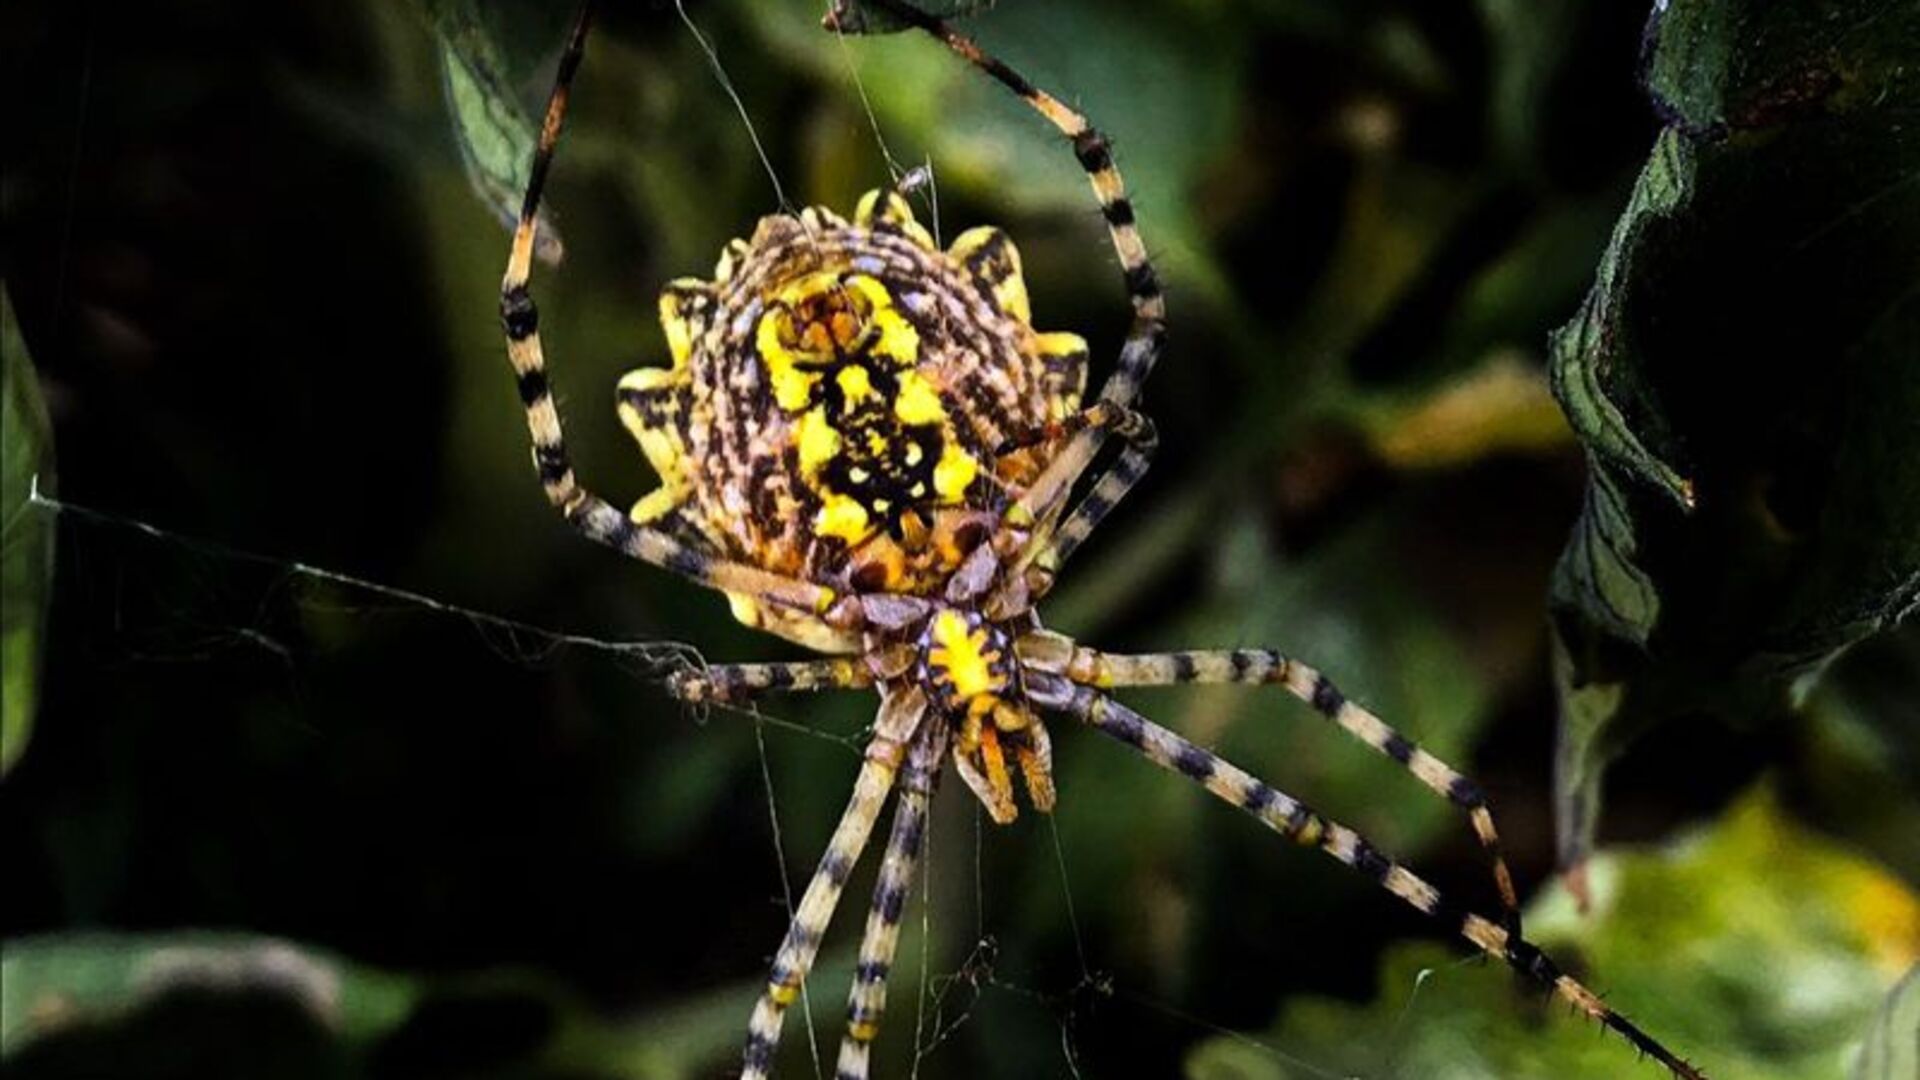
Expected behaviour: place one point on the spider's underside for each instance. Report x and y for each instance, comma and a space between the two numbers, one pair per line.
866, 446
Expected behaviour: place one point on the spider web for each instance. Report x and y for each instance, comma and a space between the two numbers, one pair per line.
946, 999
244, 602
241, 603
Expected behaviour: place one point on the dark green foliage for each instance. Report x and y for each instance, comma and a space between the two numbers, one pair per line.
26, 537
1768, 984
247, 253
1892, 1046
1743, 377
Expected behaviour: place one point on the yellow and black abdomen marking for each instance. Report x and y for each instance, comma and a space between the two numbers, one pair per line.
654, 402
884, 465
872, 437
991, 260
842, 396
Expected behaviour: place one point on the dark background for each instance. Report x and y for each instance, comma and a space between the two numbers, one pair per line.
261, 296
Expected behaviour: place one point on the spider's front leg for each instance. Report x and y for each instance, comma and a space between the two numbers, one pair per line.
588, 513
737, 684
1146, 338
1041, 559
1295, 820
1044, 559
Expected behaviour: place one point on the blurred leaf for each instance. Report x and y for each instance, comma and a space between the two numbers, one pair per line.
68, 984
59, 982
694, 1037
1167, 95
1892, 1047
26, 537
1503, 405
1741, 376
487, 52
1529, 41
1859, 756
1756, 948
1529, 285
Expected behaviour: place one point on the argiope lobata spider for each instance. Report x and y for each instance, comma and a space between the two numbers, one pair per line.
865, 445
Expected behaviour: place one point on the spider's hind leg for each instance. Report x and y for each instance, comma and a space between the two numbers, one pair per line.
1295, 820
899, 721
1050, 552
867, 1001
1254, 667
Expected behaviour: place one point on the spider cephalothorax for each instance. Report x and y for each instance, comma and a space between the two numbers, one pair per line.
968, 666
864, 444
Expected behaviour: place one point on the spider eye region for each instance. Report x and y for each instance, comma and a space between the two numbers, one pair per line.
871, 434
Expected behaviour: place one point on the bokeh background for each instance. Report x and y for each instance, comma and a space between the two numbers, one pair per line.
271, 822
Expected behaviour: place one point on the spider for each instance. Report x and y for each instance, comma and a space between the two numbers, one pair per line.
866, 446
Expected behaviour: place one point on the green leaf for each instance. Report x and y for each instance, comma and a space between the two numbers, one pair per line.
26, 537
1741, 376
483, 76
1589, 360
1770, 983
1892, 1047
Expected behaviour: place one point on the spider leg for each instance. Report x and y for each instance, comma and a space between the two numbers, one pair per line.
1146, 337
588, 513
1133, 426
867, 1001
900, 715
1265, 666
1296, 821
736, 683
1046, 558
1049, 554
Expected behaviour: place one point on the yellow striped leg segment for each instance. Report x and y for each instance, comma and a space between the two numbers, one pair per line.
1092, 149
1050, 550
1264, 666
735, 683
1133, 426
868, 999
1296, 821
1148, 334
1088, 513
797, 951
585, 511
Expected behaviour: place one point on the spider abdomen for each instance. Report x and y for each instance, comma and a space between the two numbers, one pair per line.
842, 396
